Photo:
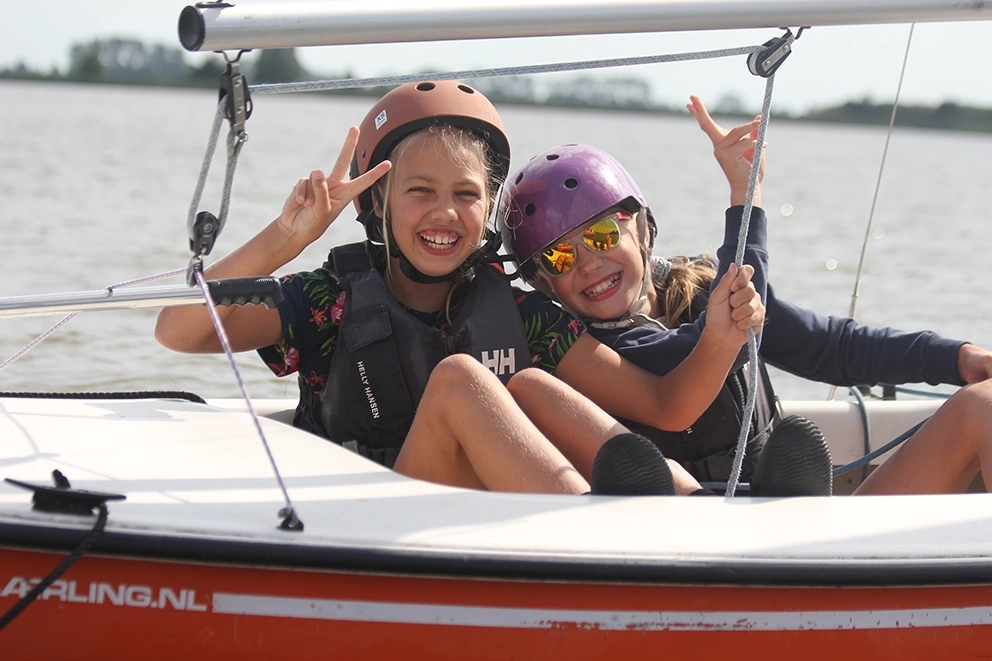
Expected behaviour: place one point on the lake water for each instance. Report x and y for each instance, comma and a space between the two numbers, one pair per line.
95, 183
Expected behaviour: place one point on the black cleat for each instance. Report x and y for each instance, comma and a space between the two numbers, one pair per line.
795, 462
631, 465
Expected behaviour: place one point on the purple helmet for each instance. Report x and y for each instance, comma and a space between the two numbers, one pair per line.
561, 189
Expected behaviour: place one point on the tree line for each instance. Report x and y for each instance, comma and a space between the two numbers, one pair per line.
129, 61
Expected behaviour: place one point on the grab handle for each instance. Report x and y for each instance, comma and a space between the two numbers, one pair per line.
264, 290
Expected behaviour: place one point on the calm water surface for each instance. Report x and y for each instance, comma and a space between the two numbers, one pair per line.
95, 184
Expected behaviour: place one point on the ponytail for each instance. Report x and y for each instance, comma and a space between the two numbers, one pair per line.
685, 292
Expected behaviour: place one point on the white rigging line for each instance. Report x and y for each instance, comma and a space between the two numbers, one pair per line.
110, 290
752, 342
878, 184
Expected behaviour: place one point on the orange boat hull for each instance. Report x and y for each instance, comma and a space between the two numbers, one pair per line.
118, 608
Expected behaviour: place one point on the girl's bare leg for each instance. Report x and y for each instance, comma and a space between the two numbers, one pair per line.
574, 424
469, 432
946, 453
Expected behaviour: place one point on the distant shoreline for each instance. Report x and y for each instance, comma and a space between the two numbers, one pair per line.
947, 116
123, 61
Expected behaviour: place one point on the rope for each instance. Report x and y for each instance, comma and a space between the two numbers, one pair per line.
865, 425
137, 394
561, 67
923, 393
41, 338
752, 342
880, 451
878, 185
234, 144
63, 567
35, 342
205, 167
288, 512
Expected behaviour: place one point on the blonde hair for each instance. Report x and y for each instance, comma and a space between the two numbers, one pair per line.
680, 295
464, 148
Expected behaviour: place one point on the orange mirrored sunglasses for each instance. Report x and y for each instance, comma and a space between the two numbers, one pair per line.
601, 236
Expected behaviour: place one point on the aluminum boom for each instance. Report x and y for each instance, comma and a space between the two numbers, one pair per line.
288, 25
136, 298
233, 291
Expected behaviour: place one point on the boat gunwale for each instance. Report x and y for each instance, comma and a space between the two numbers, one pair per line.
545, 567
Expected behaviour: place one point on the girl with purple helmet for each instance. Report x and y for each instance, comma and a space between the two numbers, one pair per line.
563, 203
412, 349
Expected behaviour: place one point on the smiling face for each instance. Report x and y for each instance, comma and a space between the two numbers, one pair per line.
601, 285
437, 199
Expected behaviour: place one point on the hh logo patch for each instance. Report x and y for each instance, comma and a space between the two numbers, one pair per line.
380, 119
500, 362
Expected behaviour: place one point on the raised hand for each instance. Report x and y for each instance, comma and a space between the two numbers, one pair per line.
733, 150
316, 201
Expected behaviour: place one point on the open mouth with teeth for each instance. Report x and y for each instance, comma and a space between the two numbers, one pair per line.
439, 242
603, 286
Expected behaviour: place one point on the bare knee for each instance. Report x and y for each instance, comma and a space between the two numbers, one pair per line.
971, 407
529, 381
457, 371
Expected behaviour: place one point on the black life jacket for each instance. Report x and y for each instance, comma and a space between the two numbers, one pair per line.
385, 355
707, 447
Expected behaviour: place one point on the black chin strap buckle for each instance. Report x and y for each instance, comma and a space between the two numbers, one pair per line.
766, 61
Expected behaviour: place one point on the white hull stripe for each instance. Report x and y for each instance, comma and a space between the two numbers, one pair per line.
532, 618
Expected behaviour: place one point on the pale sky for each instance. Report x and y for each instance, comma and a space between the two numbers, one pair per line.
947, 61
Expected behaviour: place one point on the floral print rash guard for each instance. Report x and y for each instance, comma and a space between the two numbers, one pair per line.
311, 316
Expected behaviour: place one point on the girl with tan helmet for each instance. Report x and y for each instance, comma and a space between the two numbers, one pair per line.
412, 348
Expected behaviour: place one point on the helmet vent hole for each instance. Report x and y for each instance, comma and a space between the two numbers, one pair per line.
571, 183
520, 177
466, 89
425, 87
530, 209
552, 157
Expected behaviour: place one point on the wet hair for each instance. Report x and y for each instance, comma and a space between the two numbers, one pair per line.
684, 294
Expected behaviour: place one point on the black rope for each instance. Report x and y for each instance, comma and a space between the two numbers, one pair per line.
70, 559
149, 394
880, 451
866, 426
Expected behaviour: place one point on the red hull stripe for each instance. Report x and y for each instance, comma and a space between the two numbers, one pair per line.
526, 618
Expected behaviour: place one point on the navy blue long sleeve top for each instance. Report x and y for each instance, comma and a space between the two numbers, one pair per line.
834, 350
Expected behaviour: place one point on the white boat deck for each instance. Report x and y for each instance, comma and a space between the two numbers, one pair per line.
199, 471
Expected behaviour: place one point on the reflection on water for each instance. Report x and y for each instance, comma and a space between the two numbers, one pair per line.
95, 184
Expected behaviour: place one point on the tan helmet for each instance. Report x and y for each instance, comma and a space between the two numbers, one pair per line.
415, 106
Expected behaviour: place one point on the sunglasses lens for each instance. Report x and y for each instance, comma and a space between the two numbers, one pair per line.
558, 259
602, 236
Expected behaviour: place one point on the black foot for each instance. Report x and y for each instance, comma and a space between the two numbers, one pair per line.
631, 465
795, 462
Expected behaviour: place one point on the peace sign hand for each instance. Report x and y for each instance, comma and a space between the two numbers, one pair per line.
733, 150
316, 201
